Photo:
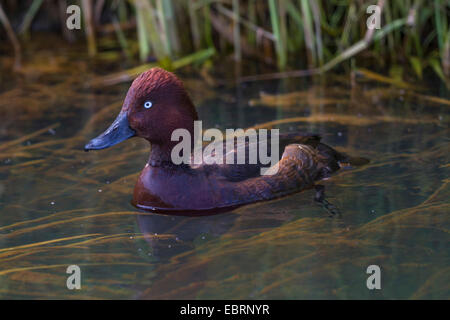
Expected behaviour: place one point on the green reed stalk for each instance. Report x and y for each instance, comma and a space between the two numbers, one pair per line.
279, 45
194, 24
121, 38
446, 56
144, 47
195, 57
390, 37
438, 23
349, 24
35, 5
251, 37
236, 31
363, 44
297, 18
12, 37
89, 26
207, 26
283, 27
171, 25
153, 34
309, 32
122, 11
162, 17
316, 15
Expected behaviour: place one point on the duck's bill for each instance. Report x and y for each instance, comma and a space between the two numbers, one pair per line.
117, 132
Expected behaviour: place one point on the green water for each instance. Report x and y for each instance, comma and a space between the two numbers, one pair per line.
60, 206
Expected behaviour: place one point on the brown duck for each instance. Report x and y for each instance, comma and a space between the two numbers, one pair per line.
156, 104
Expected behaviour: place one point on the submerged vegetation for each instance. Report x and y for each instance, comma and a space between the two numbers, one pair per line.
315, 36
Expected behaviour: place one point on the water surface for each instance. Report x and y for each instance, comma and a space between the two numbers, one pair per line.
61, 206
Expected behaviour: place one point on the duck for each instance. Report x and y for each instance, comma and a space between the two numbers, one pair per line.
156, 104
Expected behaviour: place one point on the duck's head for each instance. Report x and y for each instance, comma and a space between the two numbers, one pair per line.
156, 104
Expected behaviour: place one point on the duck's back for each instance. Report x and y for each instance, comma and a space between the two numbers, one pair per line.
304, 161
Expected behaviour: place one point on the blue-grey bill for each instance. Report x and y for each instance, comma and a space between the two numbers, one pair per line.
117, 132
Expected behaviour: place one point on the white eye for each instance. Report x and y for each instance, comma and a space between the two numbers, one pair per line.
147, 105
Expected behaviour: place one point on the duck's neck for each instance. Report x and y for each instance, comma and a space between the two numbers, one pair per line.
160, 154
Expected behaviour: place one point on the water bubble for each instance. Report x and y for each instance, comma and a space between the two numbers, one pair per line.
52, 203
99, 190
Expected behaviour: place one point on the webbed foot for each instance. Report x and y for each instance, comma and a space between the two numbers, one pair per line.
319, 198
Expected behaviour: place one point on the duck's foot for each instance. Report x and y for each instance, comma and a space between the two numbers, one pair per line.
319, 198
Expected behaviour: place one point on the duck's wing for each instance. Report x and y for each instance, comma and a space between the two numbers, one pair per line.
235, 172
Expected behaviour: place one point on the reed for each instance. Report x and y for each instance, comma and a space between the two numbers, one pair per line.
294, 33
308, 32
144, 46
35, 5
194, 24
236, 31
12, 38
88, 13
279, 45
